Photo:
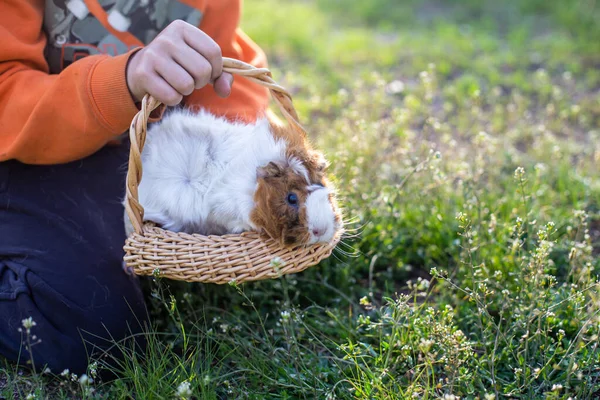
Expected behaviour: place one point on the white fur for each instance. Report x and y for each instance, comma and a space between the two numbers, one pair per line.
200, 174
320, 215
299, 168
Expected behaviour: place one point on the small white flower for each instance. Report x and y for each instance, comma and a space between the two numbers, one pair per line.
31, 396
285, 315
395, 87
519, 173
93, 369
65, 372
84, 380
425, 345
489, 396
183, 390
28, 323
557, 387
276, 262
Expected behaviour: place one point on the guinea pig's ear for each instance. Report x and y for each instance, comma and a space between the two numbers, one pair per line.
320, 161
271, 170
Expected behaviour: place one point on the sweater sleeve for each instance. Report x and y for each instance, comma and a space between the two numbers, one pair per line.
49, 119
247, 99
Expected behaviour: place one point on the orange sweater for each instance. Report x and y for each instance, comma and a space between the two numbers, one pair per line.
55, 118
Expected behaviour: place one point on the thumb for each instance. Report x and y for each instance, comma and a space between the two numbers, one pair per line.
223, 84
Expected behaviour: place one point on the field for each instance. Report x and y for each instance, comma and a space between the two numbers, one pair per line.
464, 139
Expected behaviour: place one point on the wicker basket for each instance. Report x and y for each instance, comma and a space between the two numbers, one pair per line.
150, 250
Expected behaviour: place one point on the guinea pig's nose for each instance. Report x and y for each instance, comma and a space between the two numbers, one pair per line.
317, 232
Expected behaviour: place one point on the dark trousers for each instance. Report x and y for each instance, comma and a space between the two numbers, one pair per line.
61, 249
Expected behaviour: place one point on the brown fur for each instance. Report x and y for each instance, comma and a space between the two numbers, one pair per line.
277, 218
300, 147
272, 213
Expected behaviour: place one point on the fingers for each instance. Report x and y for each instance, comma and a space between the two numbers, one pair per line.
198, 70
142, 78
163, 91
175, 75
204, 45
195, 65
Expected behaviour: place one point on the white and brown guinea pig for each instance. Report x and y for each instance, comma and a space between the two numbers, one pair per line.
204, 174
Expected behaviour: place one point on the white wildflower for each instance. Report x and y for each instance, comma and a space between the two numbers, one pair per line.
425, 345
276, 262
395, 87
84, 380
93, 369
184, 391
28, 323
519, 173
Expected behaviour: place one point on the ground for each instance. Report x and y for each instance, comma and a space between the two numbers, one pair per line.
464, 140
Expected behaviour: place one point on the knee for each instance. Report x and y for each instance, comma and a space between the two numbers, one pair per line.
69, 336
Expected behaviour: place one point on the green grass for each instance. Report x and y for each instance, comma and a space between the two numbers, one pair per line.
465, 141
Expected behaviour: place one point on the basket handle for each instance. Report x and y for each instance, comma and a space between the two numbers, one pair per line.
138, 128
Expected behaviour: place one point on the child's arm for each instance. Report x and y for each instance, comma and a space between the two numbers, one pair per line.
45, 118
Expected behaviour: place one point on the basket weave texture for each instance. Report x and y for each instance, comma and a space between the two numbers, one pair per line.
151, 250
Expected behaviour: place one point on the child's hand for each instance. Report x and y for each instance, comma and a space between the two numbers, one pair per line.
180, 59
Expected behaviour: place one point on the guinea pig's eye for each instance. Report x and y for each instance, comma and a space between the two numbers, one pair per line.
292, 199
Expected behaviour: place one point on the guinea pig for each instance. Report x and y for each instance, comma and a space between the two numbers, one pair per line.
205, 174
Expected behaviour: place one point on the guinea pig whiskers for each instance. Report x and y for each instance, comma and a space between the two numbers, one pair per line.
347, 246
351, 220
356, 230
334, 254
353, 253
